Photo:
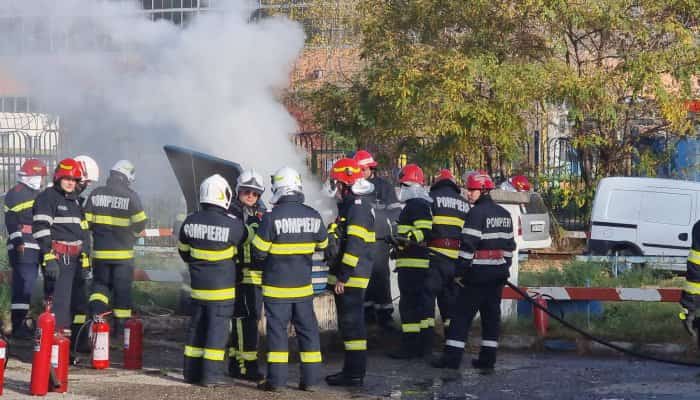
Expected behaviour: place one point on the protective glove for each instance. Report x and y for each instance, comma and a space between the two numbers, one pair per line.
687, 317
332, 251
51, 270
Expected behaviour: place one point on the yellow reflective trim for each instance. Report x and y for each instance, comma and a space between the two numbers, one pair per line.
214, 294
322, 244
412, 263
138, 217
418, 234
451, 253
278, 357
310, 356
122, 313
89, 216
194, 352
112, 254
403, 229
355, 345
410, 328
109, 220
84, 225
252, 277
362, 233
350, 259
445, 220
247, 355
79, 318
427, 323
232, 352
423, 224
292, 248
287, 293
99, 297
214, 354
183, 247
692, 287
353, 281
694, 257
21, 206
85, 260
49, 257
261, 244
213, 255
332, 227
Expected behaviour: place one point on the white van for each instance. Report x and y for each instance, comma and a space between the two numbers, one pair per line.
643, 217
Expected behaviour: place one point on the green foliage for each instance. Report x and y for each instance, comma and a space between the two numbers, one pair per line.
578, 273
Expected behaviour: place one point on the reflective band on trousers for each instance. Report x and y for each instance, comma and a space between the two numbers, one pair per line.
355, 345
353, 281
194, 352
694, 257
213, 255
455, 343
214, 354
310, 356
489, 343
278, 357
112, 254
692, 287
412, 263
410, 328
214, 295
287, 293
445, 220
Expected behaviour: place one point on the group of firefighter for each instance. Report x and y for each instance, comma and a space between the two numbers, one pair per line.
244, 256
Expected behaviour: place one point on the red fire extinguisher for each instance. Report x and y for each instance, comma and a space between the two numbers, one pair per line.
133, 344
41, 363
100, 342
60, 358
541, 318
3, 362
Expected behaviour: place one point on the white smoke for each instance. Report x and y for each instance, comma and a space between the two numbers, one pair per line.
211, 86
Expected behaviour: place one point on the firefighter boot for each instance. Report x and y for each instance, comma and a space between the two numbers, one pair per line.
427, 337
342, 379
410, 347
486, 361
450, 358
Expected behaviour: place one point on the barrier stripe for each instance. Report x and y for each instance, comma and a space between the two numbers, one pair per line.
668, 295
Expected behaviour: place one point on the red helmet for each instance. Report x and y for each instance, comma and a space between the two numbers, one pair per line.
346, 170
520, 183
68, 168
411, 173
445, 175
479, 181
33, 167
364, 159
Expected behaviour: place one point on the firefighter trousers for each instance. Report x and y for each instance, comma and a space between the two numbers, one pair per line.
378, 300
67, 292
112, 280
23, 278
351, 323
243, 349
486, 300
207, 337
301, 314
441, 286
413, 307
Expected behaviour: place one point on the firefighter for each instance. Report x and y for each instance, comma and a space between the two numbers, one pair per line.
288, 236
116, 217
208, 243
484, 259
351, 266
91, 174
22, 248
690, 297
61, 232
378, 302
243, 352
414, 225
449, 211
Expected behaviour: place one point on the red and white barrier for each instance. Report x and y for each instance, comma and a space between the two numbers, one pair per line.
672, 295
156, 232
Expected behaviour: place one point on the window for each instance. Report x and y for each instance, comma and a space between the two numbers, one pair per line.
666, 208
623, 205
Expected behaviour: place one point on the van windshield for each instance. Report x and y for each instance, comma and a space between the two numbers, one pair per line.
536, 205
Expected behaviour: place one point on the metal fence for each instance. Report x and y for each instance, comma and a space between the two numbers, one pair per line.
321, 152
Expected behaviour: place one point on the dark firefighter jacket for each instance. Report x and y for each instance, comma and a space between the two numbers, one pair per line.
487, 243
691, 291
285, 242
57, 216
208, 243
386, 207
18, 220
414, 225
449, 212
116, 217
354, 229
250, 272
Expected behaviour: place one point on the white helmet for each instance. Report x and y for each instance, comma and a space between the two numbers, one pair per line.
216, 190
127, 168
91, 172
285, 182
250, 180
